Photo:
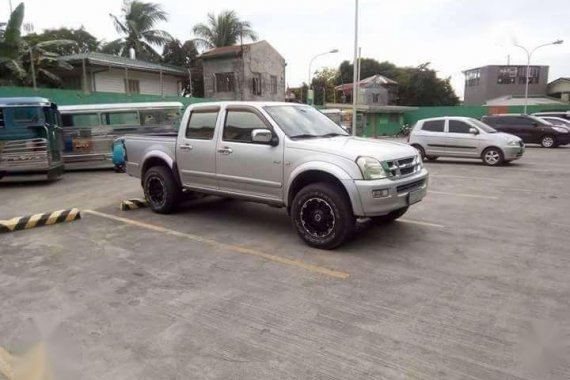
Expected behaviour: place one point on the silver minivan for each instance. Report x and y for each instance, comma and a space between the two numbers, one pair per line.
464, 137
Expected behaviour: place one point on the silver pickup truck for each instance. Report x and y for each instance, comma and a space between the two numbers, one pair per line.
282, 154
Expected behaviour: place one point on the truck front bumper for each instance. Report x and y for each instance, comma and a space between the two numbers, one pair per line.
379, 197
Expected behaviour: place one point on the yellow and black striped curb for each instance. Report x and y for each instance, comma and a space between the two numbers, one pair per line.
132, 204
38, 220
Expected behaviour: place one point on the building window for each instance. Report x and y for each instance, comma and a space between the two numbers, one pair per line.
375, 98
533, 76
132, 86
256, 84
472, 77
225, 82
507, 75
273, 84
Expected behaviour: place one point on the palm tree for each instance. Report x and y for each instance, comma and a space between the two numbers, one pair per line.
137, 23
225, 29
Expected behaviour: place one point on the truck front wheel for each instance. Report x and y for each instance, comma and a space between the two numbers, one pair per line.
161, 190
322, 215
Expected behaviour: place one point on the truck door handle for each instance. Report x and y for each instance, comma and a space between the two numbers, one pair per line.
225, 150
186, 147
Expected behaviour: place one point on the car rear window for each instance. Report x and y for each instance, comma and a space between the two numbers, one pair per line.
433, 125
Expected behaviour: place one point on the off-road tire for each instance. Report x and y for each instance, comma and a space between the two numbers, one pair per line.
161, 190
322, 215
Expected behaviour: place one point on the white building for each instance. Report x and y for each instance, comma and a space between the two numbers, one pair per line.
98, 72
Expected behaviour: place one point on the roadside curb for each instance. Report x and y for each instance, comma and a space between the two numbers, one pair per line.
132, 204
39, 220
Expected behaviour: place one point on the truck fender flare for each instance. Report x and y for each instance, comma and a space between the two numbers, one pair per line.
157, 154
340, 174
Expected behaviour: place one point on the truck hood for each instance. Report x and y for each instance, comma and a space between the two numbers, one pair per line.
353, 147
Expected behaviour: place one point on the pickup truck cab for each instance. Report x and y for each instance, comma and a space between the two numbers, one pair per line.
282, 154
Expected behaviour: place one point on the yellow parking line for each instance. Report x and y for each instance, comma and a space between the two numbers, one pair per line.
421, 223
236, 248
462, 195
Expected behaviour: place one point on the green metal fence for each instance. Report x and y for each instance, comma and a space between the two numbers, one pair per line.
73, 97
411, 117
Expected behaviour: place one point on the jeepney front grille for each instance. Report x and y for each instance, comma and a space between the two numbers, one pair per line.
403, 167
24, 154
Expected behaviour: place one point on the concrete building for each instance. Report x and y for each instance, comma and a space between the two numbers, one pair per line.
98, 72
495, 81
253, 71
560, 88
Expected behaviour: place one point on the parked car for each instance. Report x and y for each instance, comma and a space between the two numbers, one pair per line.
561, 114
281, 154
531, 129
464, 137
557, 121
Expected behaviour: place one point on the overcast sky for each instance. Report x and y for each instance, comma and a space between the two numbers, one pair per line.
453, 35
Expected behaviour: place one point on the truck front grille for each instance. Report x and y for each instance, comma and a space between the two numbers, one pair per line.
403, 167
410, 186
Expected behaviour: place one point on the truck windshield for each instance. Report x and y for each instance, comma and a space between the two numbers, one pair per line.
299, 121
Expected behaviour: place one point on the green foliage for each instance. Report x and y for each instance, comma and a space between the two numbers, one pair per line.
323, 83
417, 86
84, 41
184, 55
136, 24
12, 34
17, 55
225, 29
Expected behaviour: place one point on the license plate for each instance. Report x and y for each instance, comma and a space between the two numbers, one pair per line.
415, 196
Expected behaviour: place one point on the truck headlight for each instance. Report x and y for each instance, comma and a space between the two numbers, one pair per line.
560, 129
371, 168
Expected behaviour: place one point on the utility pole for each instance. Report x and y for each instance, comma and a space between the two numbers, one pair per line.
354, 69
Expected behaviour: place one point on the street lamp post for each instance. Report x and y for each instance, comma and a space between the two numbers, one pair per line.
310, 72
529, 56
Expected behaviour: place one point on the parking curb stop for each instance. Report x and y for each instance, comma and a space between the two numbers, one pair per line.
132, 204
39, 220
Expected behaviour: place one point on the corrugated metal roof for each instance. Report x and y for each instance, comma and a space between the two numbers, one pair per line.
116, 61
223, 51
367, 82
24, 101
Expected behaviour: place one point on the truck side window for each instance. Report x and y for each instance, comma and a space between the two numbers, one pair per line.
433, 126
201, 125
239, 124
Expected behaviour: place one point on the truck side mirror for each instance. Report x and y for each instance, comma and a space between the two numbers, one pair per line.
262, 136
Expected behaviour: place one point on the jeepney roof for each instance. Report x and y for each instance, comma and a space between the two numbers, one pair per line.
119, 106
25, 101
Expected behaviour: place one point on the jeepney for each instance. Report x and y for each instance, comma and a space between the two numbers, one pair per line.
30, 139
89, 130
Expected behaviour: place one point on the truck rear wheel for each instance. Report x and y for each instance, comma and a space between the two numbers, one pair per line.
161, 190
322, 215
